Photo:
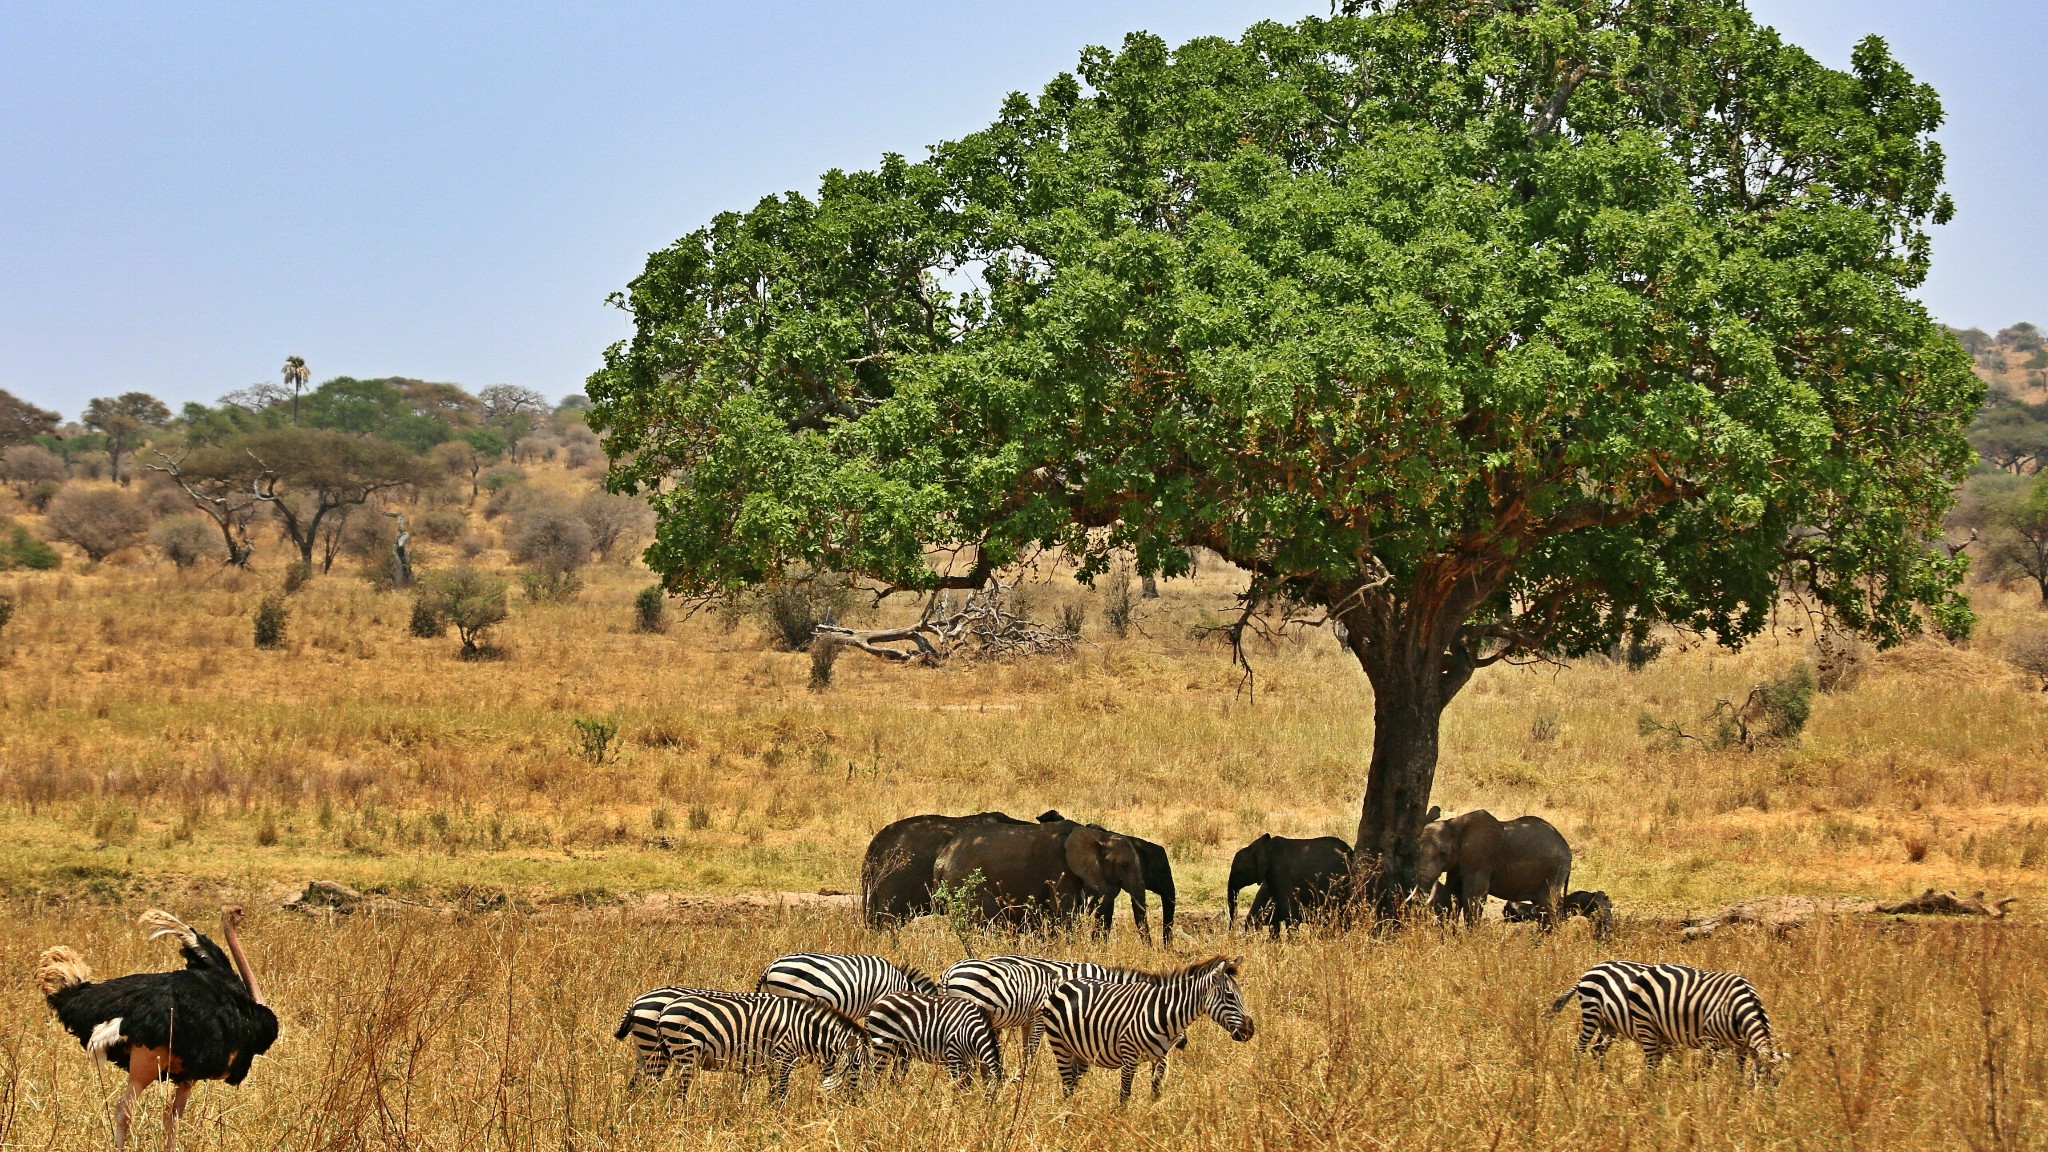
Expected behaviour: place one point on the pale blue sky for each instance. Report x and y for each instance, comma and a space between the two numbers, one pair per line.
190, 192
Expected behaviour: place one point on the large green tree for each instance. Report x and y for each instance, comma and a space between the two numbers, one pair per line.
1494, 330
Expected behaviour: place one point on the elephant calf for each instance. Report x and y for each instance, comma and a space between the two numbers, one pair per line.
1295, 878
1524, 859
1594, 906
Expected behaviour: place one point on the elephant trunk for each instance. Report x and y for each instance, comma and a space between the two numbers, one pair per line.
1231, 901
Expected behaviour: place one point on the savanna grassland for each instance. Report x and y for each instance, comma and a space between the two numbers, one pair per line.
150, 754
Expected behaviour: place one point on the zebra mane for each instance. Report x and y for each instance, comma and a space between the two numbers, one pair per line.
1140, 976
919, 982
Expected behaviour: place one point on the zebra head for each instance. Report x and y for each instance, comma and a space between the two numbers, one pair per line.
1224, 1003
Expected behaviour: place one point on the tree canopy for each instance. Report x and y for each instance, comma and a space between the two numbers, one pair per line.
1491, 329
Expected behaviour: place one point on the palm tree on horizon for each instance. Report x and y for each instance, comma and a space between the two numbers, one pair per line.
295, 377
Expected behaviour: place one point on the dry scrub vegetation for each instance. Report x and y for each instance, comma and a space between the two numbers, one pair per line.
149, 752
494, 1032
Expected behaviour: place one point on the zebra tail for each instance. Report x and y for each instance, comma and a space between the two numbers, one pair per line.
1558, 1004
625, 1024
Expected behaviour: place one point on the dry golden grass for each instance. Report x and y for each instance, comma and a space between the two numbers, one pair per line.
495, 1032
148, 750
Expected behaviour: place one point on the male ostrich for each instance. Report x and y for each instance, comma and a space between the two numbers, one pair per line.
206, 1022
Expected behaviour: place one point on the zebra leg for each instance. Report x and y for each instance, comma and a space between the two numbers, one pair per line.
1653, 1054
1130, 1073
783, 1067
1033, 1033
686, 1071
1070, 1071
1158, 1075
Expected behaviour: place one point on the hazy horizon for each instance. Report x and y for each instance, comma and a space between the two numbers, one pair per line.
192, 193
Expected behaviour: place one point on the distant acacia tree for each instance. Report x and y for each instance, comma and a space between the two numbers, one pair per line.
512, 409
1488, 329
471, 452
125, 423
221, 484
21, 421
307, 474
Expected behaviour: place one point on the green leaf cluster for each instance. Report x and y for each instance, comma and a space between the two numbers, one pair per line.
1495, 328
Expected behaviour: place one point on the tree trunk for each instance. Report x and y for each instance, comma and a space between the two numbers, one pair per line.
1148, 587
1406, 717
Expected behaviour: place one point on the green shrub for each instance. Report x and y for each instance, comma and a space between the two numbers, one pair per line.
271, 615
296, 574
650, 609
18, 549
426, 623
473, 601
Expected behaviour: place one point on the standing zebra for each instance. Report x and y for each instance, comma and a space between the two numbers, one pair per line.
1013, 988
848, 983
906, 1026
1090, 1023
642, 1025
750, 1032
1664, 1007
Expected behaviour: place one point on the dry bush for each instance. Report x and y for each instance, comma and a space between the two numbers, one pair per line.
441, 525
33, 468
189, 540
271, 618
2027, 650
99, 521
616, 522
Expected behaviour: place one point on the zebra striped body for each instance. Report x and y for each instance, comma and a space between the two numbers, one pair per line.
642, 1026
1089, 1023
1013, 988
752, 1032
849, 984
1603, 1004
906, 1026
1666, 1007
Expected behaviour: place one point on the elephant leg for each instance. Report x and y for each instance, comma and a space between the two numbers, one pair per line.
1286, 910
1550, 913
1472, 897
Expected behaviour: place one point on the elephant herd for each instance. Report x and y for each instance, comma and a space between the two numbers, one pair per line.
1018, 873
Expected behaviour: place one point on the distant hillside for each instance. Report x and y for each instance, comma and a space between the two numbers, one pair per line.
2014, 362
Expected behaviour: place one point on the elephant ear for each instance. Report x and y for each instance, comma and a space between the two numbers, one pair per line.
1086, 849
1433, 815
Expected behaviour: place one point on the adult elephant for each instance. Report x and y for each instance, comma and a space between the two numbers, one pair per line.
1480, 856
1042, 872
1158, 881
1295, 877
896, 874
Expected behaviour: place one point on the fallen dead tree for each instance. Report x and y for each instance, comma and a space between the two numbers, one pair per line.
986, 625
1781, 914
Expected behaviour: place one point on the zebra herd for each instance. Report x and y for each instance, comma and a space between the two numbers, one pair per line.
864, 1017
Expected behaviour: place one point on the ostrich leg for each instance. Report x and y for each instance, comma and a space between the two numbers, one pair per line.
141, 1074
177, 1109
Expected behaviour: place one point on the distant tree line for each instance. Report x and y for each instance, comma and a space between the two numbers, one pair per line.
326, 470
2001, 515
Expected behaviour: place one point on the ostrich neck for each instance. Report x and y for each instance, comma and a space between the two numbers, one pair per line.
241, 961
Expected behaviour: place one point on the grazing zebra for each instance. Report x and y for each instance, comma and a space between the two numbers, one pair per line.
1664, 1007
1603, 1004
642, 1025
906, 1026
751, 1032
849, 984
1013, 988
1089, 1023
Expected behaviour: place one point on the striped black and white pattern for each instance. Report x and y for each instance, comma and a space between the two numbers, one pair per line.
753, 1032
641, 1025
1013, 988
849, 984
1667, 1007
944, 1030
1603, 1004
1089, 1023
